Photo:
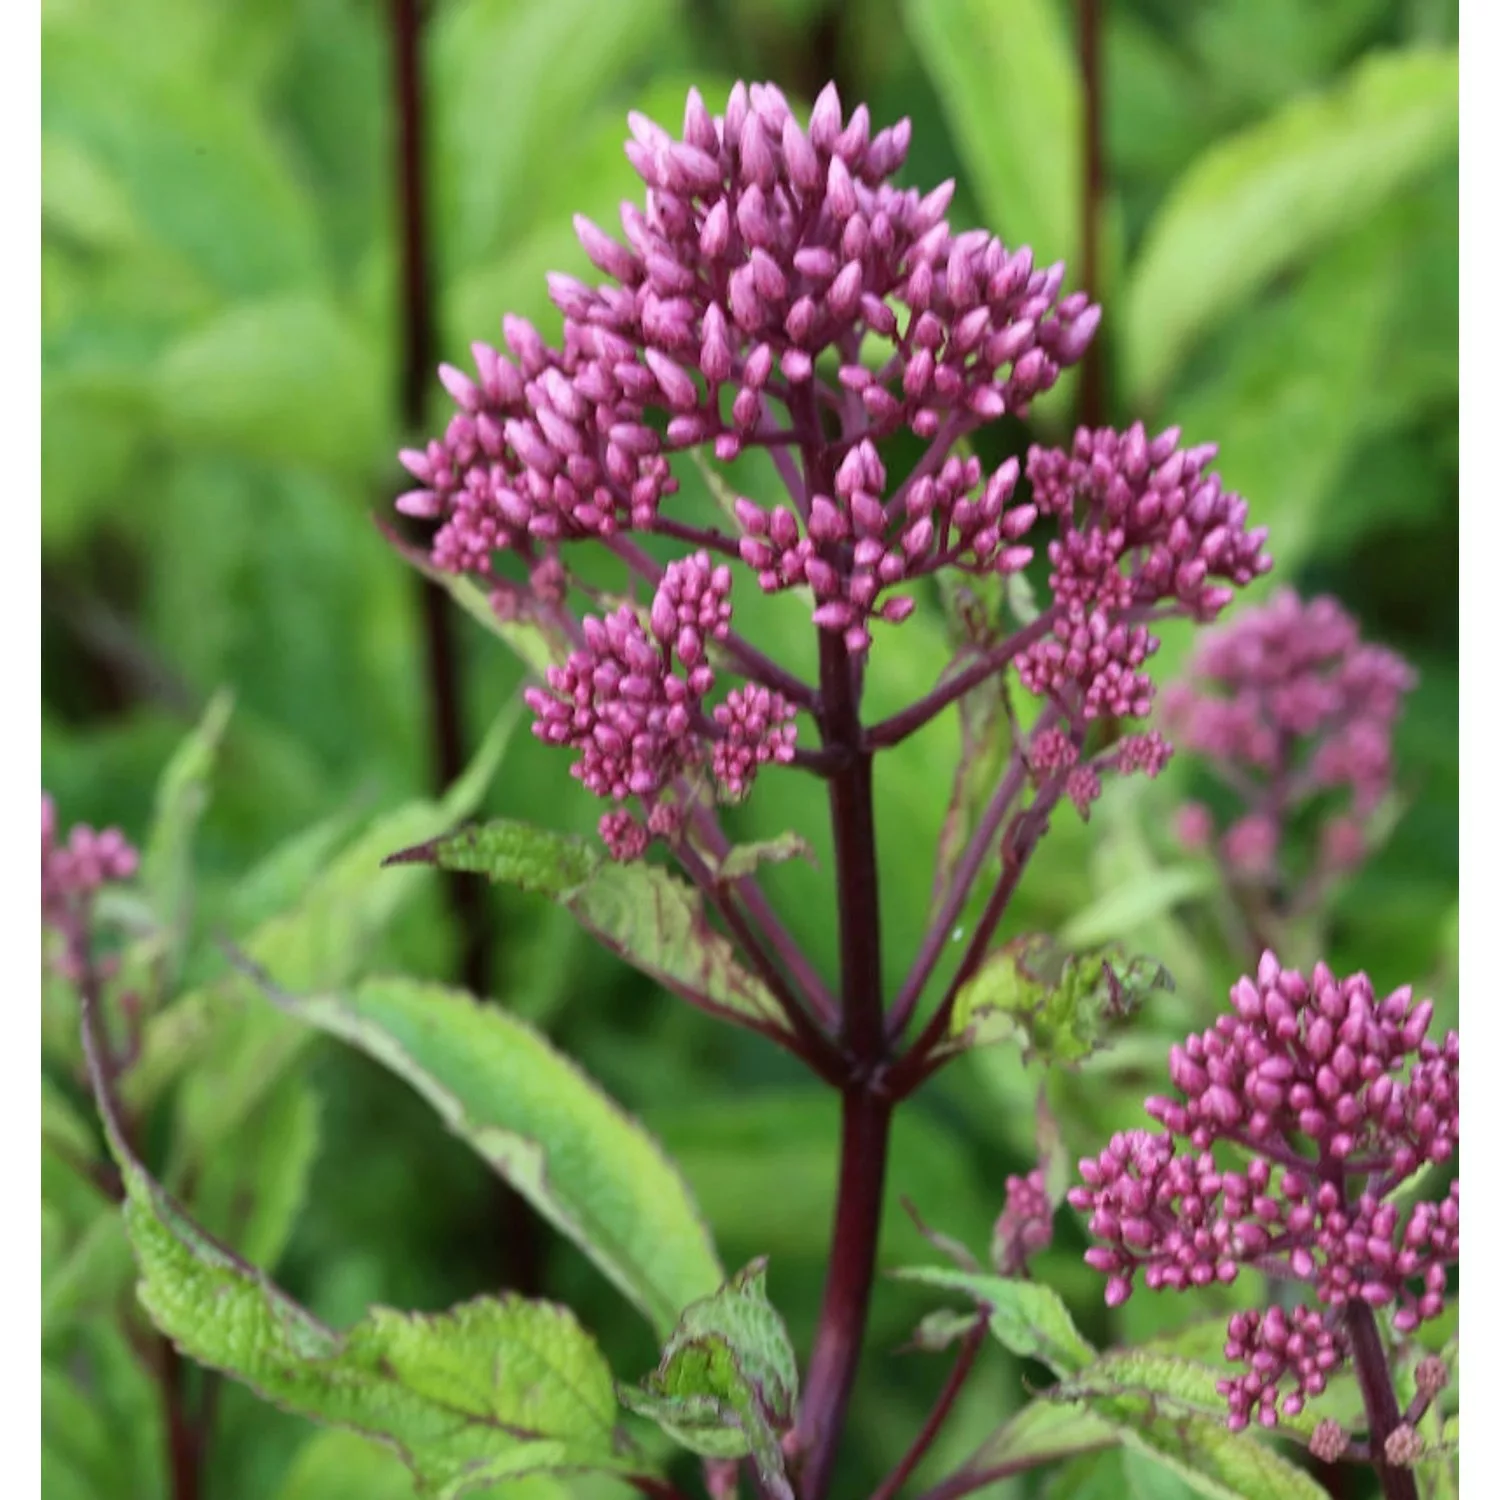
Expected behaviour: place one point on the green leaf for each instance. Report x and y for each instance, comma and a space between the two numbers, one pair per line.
744, 859
648, 916
1042, 1428
726, 1386
1027, 1317
1056, 1006
181, 797
1168, 1409
201, 170
493, 1389
1268, 197
250, 1197
1006, 80
530, 643
240, 1047
336, 1465
290, 377
530, 69
581, 1161
1119, 913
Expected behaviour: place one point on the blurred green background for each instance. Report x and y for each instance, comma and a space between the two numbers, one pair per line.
220, 374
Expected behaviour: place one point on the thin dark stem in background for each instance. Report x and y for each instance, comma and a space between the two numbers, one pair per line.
467, 899
1093, 396
942, 1408
1382, 1410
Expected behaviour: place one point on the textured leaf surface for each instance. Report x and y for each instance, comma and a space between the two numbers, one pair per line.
726, 1386
1256, 203
546, 1127
1056, 1006
1027, 1317
647, 915
493, 1388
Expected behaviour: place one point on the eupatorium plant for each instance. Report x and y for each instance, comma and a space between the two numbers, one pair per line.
777, 290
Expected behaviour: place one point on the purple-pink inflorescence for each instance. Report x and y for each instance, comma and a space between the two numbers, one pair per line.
1285, 705
1334, 1098
777, 289
1024, 1227
74, 870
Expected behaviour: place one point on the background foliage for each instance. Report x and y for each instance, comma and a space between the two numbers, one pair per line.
220, 367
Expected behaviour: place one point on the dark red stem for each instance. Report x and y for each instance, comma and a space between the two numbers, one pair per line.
968, 1352
1382, 1410
864, 1134
1093, 403
523, 1247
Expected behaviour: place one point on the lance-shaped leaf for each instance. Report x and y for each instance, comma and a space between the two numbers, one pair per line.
1027, 1317
726, 1386
1056, 1006
493, 1389
744, 859
584, 1164
1256, 203
642, 912
181, 796
529, 641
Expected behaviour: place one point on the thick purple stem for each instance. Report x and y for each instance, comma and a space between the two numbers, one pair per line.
1382, 1410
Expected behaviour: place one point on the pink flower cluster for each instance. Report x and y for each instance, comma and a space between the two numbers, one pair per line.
73, 871
1285, 705
762, 249
638, 721
1141, 523
1334, 1098
1024, 1227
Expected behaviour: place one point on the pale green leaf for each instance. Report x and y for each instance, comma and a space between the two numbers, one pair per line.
726, 1386
529, 69
581, 1161
744, 859
239, 1047
650, 917
1027, 1317
1119, 913
291, 377
1266, 198
182, 794
1006, 80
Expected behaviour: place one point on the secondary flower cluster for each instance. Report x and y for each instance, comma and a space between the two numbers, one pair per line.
1335, 1098
1287, 704
73, 871
638, 723
1024, 1228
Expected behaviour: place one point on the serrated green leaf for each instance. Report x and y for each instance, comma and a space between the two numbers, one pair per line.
648, 916
582, 1162
492, 1389
181, 797
1260, 201
1043, 1428
1056, 1006
1027, 1317
1006, 79
727, 1382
